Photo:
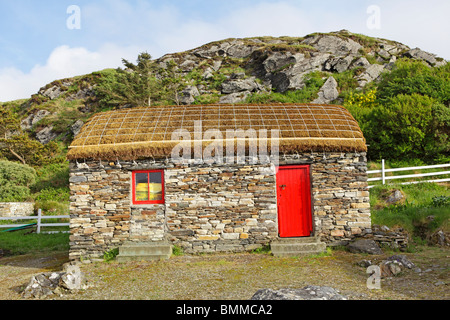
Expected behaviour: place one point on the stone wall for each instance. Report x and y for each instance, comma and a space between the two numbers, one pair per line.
340, 194
228, 208
212, 207
16, 209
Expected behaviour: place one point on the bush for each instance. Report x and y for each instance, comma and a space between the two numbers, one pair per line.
408, 115
15, 180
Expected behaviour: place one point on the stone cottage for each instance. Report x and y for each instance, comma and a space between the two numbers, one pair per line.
213, 178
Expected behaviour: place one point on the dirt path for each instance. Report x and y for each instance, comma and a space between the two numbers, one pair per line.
238, 276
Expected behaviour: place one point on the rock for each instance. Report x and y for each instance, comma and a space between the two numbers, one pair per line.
45, 284
187, 65
32, 119
328, 92
439, 238
76, 127
216, 65
390, 268
46, 135
416, 53
234, 97
360, 62
395, 197
306, 293
77, 179
364, 263
280, 81
279, 60
81, 94
208, 74
364, 246
240, 50
232, 86
52, 93
188, 94
333, 44
372, 73
402, 260
72, 278
338, 64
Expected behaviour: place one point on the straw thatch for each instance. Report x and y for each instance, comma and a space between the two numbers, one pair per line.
129, 134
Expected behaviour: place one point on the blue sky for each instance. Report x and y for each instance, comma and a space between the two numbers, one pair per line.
37, 46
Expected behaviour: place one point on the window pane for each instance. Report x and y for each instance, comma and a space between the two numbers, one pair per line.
155, 186
141, 187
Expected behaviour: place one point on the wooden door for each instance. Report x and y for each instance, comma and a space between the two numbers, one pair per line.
294, 201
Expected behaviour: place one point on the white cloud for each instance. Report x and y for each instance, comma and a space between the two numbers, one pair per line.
63, 62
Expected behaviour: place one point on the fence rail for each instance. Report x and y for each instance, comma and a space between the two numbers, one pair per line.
383, 172
39, 223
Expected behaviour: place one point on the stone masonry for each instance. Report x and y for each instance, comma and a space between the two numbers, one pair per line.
211, 208
16, 209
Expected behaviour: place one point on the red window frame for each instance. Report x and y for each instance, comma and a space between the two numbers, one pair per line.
134, 187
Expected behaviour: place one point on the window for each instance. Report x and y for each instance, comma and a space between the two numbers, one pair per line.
148, 187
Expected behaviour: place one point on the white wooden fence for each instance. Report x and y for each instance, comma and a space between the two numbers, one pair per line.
383, 172
39, 224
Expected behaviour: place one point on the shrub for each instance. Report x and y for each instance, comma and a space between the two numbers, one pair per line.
15, 180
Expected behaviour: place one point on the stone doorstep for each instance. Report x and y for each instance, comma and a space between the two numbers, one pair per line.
289, 247
147, 251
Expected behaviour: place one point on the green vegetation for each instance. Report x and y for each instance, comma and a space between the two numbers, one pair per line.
111, 254
15, 180
424, 209
407, 116
23, 242
136, 85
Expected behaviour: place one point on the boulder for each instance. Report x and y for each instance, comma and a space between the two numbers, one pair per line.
32, 119
238, 50
279, 60
401, 258
395, 197
440, 238
238, 85
234, 97
188, 94
328, 92
390, 268
307, 293
360, 62
52, 93
333, 44
370, 74
364, 246
46, 284
416, 53
338, 64
76, 127
46, 135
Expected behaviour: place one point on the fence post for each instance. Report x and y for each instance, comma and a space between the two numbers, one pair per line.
39, 221
382, 171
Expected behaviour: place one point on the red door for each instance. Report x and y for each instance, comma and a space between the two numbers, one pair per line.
294, 201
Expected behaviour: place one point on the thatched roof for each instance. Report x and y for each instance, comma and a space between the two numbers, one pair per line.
134, 133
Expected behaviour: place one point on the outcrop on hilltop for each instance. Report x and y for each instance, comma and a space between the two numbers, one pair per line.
233, 71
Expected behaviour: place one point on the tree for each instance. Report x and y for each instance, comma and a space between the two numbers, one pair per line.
134, 86
172, 82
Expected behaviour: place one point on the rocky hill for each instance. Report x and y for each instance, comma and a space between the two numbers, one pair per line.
317, 68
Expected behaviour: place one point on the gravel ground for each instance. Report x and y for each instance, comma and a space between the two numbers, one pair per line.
236, 276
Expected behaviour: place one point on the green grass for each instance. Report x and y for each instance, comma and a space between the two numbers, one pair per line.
19, 242
424, 209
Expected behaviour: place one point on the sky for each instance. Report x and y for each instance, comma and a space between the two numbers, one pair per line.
42, 41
